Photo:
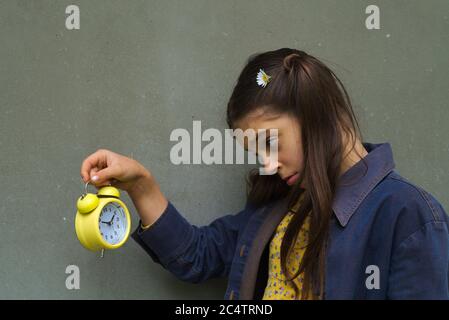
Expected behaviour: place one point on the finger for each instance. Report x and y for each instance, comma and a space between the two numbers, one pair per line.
93, 171
103, 177
95, 159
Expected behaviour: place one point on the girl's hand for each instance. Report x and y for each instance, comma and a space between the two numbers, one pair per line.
105, 167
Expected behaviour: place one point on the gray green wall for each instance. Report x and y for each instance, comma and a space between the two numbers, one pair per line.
136, 70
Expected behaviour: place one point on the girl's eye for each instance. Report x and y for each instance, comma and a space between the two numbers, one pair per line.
270, 141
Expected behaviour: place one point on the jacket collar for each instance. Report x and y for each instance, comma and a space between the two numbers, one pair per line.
358, 181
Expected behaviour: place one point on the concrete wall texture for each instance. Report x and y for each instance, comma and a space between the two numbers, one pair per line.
136, 70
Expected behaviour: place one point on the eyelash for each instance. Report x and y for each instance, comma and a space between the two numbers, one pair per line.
269, 140
267, 143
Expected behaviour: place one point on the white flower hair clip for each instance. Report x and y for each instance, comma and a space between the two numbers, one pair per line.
263, 78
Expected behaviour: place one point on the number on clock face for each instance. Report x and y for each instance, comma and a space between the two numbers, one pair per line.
112, 223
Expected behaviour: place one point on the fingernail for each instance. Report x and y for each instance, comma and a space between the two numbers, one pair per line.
95, 178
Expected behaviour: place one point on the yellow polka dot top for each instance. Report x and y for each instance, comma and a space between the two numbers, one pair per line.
278, 288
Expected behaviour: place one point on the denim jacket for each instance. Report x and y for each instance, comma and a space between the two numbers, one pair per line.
388, 240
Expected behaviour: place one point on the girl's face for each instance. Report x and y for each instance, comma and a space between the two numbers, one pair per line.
290, 158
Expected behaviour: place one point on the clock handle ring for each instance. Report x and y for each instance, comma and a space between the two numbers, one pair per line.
85, 186
85, 189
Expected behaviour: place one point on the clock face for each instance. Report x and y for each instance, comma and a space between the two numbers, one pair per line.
112, 223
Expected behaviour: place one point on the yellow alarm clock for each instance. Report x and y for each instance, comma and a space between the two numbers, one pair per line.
102, 220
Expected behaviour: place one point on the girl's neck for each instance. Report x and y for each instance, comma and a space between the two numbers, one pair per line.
352, 156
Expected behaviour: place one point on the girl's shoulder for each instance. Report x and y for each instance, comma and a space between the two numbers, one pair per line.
407, 206
409, 194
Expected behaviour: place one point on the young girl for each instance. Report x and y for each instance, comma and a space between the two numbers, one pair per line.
335, 221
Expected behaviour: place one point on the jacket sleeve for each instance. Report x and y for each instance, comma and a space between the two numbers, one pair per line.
420, 264
193, 254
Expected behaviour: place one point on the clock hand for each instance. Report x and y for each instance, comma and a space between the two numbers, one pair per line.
110, 222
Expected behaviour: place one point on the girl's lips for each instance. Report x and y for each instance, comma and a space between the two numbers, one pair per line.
292, 179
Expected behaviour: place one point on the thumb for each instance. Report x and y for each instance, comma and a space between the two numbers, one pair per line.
103, 177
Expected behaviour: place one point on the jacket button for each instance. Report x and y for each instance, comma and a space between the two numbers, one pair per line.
242, 248
231, 296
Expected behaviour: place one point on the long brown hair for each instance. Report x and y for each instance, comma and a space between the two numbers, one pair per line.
304, 87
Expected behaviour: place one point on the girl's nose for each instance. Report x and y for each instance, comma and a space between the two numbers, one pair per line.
270, 164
